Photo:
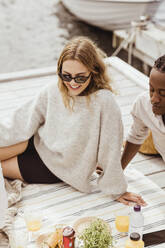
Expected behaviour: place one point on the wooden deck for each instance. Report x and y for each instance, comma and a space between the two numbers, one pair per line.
138, 43
16, 88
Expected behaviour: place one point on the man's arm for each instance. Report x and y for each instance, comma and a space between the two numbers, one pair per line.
129, 152
137, 133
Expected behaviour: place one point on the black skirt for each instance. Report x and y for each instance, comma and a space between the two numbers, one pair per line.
32, 168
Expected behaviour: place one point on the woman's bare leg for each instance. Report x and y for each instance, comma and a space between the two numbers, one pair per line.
10, 168
8, 158
12, 151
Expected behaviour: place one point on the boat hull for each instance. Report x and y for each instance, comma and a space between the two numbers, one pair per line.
111, 15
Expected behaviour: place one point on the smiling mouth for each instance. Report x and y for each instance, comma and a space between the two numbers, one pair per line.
74, 87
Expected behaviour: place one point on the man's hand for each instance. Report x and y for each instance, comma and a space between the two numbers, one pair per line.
130, 198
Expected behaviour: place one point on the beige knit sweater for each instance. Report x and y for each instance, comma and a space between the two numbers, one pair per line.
72, 143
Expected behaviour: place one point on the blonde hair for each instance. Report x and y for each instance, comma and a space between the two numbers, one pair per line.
85, 51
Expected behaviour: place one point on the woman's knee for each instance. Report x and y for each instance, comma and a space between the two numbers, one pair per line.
12, 151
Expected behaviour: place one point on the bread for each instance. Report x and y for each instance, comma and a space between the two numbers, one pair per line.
54, 240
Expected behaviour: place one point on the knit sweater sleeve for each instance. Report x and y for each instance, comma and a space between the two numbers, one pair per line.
24, 122
112, 181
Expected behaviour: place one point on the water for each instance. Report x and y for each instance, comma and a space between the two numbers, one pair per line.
30, 36
136, 221
33, 34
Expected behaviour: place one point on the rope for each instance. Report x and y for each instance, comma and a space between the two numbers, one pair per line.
129, 41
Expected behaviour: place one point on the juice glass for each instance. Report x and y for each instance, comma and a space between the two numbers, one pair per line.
122, 220
33, 220
18, 239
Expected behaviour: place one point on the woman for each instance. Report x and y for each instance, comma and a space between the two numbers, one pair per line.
70, 128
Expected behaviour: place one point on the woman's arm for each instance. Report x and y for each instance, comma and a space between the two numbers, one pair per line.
112, 180
136, 136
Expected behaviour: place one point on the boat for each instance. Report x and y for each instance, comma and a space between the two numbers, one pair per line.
111, 14
159, 18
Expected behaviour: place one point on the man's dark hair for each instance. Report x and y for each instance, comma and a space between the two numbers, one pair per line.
160, 64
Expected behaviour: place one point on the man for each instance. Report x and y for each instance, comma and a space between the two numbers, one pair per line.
148, 114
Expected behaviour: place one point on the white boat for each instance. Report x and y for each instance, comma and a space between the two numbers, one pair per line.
160, 15
111, 14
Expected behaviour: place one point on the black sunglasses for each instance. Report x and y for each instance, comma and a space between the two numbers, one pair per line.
78, 79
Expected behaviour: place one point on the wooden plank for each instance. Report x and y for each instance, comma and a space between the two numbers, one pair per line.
125, 110
141, 157
149, 166
12, 76
122, 83
130, 90
129, 72
153, 36
124, 100
158, 178
26, 83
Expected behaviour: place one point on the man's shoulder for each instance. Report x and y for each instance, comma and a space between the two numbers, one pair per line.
143, 98
142, 104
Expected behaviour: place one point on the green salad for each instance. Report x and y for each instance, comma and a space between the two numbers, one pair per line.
97, 235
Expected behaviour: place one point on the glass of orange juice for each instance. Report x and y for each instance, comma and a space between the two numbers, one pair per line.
122, 220
33, 220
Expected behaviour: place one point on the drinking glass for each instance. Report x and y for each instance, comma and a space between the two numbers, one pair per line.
33, 220
122, 220
18, 239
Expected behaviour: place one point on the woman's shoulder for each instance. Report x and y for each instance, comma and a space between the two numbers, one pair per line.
48, 92
104, 93
51, 88
108, 103
105, 96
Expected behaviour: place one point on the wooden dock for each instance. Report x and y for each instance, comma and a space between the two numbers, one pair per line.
137, 40
16, 88
60, 203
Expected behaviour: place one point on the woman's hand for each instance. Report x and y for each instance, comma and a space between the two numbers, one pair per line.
128, 198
